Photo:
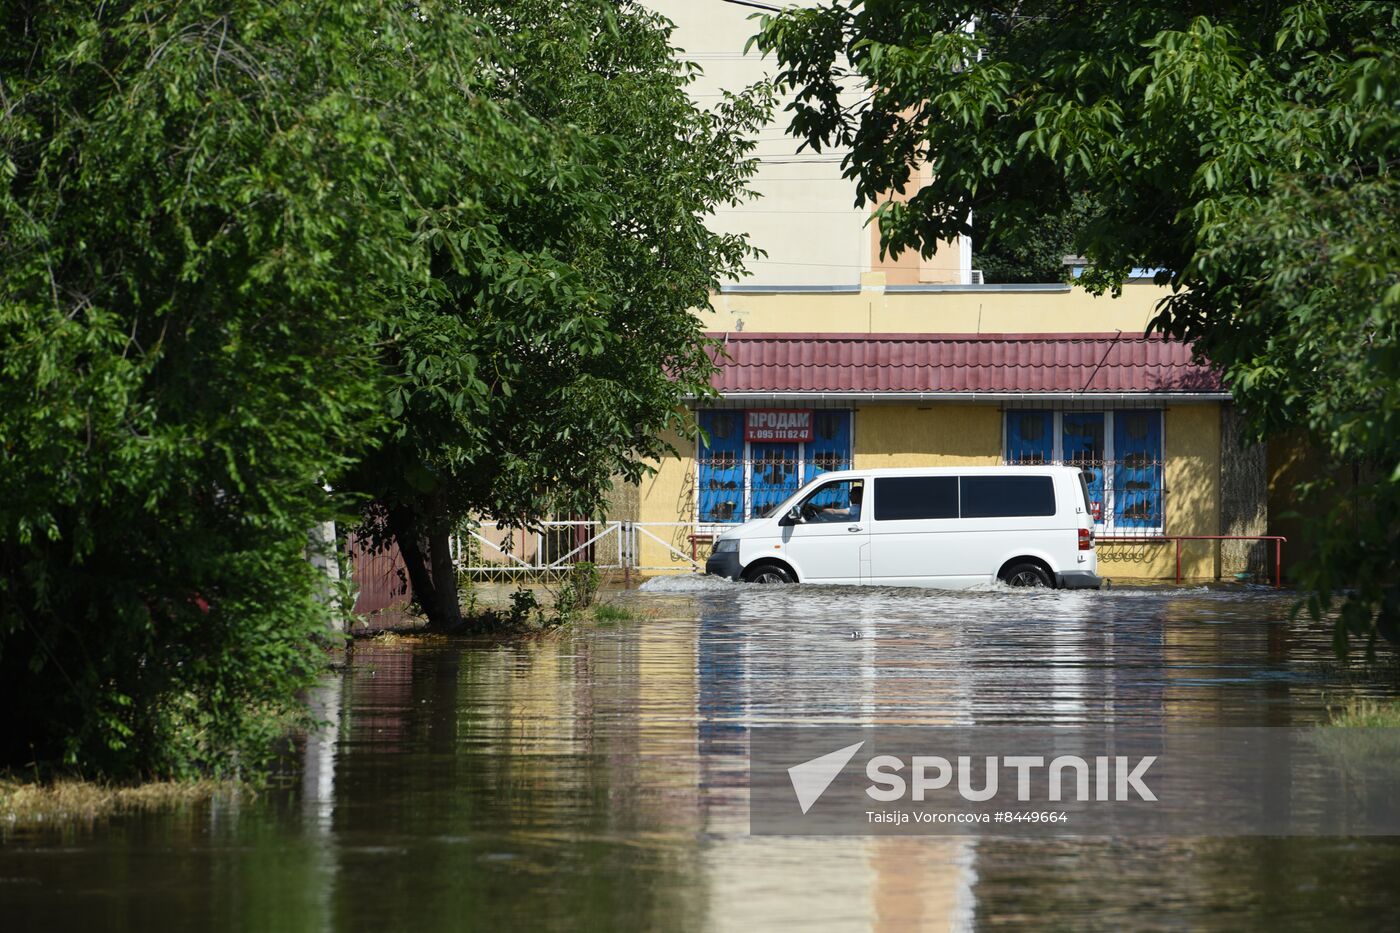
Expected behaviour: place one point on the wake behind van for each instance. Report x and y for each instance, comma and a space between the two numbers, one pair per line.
949, 527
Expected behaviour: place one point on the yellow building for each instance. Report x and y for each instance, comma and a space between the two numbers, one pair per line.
814, 379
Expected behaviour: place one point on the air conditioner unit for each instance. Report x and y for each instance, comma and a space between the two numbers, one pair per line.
975, 277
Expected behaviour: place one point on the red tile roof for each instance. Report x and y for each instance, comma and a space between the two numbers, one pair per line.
959, 363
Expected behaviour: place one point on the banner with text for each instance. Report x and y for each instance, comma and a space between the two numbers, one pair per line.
784, 425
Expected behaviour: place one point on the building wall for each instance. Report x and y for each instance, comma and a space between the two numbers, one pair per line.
936, 435
950, 263
1192, 446
814, 237
972, 310
667, 496
803, 215
1244, 498
971, 435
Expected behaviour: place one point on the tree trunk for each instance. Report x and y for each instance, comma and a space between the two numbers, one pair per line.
404, 525
448, 611
426, 546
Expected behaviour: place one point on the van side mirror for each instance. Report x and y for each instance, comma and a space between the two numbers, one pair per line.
792, 517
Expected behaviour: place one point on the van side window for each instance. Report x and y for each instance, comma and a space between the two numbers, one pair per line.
834, 502
1006, 496
906, 498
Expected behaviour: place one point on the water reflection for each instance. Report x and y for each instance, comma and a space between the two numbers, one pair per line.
598, 780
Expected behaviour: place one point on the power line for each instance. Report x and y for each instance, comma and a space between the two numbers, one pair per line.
757, 6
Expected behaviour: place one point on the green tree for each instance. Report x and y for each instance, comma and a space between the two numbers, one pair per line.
208, 213
1038, 255
557, 341
1248, 148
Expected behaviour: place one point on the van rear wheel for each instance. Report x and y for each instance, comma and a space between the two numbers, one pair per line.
1026, 575
769, 573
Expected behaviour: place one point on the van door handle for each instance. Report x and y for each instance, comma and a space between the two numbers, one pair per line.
853, 528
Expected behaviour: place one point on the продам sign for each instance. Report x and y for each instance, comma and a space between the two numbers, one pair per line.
777, 424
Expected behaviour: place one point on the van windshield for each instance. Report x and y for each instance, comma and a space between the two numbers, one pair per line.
782, 508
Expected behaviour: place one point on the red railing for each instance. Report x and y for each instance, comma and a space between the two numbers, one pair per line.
698, 539
1278, 549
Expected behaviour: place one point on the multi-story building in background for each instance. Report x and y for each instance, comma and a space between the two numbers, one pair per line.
804, 218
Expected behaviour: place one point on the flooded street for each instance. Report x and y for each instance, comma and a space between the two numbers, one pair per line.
597, 779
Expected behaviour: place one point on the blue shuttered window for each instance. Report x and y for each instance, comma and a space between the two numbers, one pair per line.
1030, 437
1120, 453
721, 493
830, 447
1137, 469
774, 476
1081, 445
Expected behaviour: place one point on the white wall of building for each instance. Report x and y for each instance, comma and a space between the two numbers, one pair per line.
805, 219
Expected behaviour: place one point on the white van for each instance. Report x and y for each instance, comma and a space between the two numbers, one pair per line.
950, 527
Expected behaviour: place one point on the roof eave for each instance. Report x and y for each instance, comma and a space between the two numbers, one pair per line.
1188, 396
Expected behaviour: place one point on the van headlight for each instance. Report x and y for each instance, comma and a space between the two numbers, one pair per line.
725, 545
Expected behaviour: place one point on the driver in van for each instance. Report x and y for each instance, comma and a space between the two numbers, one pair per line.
834, 513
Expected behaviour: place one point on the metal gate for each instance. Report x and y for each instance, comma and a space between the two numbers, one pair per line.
381, 582
554, 547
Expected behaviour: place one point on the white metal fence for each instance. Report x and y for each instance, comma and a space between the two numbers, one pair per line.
556, 546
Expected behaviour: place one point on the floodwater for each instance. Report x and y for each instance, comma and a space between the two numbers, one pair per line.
596, 780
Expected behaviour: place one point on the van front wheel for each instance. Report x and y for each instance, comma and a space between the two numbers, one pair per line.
769, 573
1026, 575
